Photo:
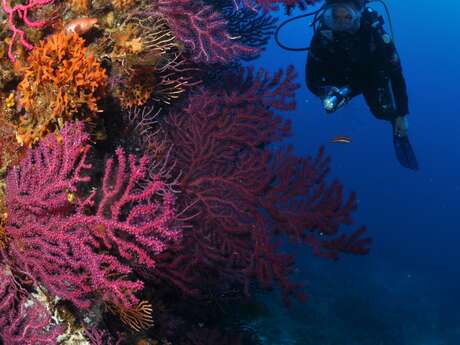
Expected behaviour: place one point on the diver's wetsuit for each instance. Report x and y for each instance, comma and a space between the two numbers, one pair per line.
366, 61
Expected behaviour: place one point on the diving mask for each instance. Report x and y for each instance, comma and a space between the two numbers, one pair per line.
342, 17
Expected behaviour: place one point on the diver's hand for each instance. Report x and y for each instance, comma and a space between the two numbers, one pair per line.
401, 126
335, 98
330, 101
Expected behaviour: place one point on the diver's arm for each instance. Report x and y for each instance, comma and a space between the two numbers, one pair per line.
315, 71
393, 69
313, 75
333, 97
320, 75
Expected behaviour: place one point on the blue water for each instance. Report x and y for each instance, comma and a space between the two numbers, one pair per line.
406, 291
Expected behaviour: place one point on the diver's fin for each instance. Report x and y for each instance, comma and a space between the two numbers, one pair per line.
404, 152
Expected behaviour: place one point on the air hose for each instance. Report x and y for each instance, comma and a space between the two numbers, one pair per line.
315, 14
291, 20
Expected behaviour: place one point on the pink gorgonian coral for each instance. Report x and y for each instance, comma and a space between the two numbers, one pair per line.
23, 319
79, 242
22, 11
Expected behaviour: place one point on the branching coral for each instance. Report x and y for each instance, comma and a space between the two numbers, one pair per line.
245, 193
22, 11
202, 30
81, 249
141, 129
61, 82
254, 28
23, 320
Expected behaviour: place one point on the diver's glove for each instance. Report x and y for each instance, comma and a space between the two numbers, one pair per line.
336, 98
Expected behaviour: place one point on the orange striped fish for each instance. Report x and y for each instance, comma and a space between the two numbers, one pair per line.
341, 139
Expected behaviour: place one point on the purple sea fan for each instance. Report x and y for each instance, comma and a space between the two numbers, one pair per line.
82, 248
203, 31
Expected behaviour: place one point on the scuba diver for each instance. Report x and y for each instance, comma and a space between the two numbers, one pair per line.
351, 54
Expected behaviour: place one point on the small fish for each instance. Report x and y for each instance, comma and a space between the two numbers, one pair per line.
341, 139
80, 25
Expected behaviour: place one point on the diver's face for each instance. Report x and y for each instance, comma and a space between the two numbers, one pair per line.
342, 17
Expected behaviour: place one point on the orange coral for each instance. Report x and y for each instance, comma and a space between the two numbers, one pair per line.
79, 6
61, 82
122, 5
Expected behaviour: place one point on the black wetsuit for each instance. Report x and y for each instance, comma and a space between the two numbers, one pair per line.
366, 61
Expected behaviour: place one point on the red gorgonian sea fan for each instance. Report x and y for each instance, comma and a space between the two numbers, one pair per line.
246, 193
81, 247
202, 30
